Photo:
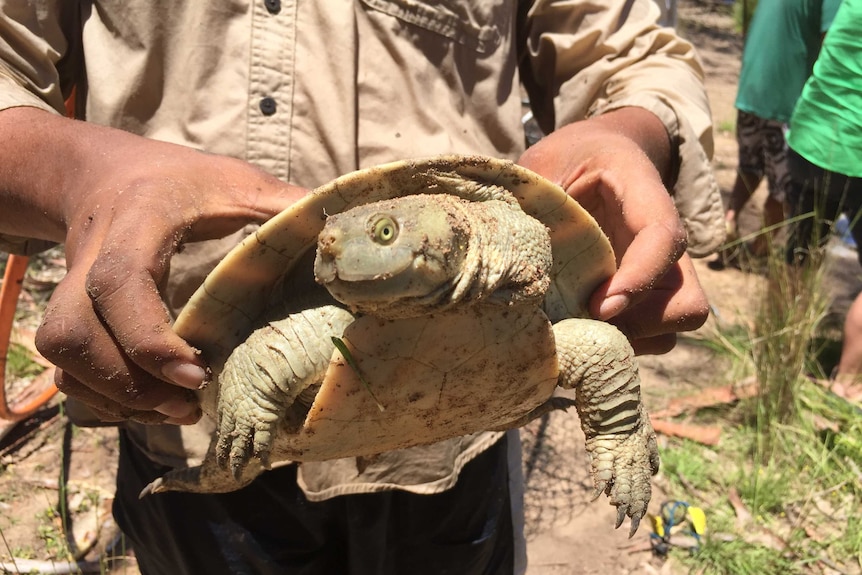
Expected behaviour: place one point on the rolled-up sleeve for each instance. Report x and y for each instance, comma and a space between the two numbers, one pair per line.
586, 58
38, 59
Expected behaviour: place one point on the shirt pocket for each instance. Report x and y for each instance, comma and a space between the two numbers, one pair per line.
478, 25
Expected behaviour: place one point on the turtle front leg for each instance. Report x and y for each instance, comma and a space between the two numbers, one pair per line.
598, 362
263, 377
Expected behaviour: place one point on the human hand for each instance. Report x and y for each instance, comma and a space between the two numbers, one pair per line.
609, 164
127, 204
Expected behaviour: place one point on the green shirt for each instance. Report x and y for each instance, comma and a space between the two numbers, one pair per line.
780, 49
826, 128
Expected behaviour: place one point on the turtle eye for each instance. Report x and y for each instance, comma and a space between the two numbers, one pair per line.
385, 230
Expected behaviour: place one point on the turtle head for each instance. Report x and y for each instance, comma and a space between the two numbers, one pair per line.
396, 257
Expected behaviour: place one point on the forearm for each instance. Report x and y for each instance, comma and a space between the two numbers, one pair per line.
36, 157
59, 176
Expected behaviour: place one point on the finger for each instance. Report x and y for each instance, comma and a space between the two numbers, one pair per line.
122, 286
72, 338
109, 411
653, 252
676, 303
248, 194
257, 201
106, 410
639, 217
121, 278
657, 345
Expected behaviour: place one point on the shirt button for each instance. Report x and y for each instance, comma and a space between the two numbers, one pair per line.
274, 6
267, 106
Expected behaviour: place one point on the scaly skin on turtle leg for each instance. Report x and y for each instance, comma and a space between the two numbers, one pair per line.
263, 377
597, 361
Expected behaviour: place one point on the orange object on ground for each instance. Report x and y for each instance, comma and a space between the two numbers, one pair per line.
16, 268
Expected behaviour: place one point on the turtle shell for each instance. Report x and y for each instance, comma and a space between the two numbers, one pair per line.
226, 308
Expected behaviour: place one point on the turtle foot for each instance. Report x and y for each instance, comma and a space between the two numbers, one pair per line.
621, 466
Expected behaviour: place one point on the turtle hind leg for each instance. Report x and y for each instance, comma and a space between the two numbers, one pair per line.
598, 362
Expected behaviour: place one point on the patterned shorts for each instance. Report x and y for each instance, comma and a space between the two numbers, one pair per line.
763, 150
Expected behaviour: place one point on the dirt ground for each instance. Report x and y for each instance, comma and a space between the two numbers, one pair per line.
568, 534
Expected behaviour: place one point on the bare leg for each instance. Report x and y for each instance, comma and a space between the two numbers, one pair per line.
773, 215
743, 188
849, 373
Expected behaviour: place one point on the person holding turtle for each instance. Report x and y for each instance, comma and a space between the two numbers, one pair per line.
198, 121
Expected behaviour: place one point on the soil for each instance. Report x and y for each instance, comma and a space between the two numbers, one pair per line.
567, 533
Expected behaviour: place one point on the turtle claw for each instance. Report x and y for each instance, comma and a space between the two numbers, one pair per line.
156, 486
621, 516
636, 521
236, 467
600, 488
621, 466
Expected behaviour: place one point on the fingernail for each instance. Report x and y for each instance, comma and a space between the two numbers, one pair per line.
177, 408
185, 374
613, 306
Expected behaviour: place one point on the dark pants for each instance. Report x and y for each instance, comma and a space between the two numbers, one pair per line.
825, 194
270, 527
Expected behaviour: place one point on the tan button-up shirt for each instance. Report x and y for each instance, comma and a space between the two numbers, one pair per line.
309, 90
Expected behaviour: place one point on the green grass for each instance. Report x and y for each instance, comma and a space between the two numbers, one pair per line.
764, 490
739, 558
801, 503
792, 453
19, 362
689, 462
726, 126
790, 313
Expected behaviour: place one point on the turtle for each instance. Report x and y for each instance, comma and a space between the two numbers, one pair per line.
408, 303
